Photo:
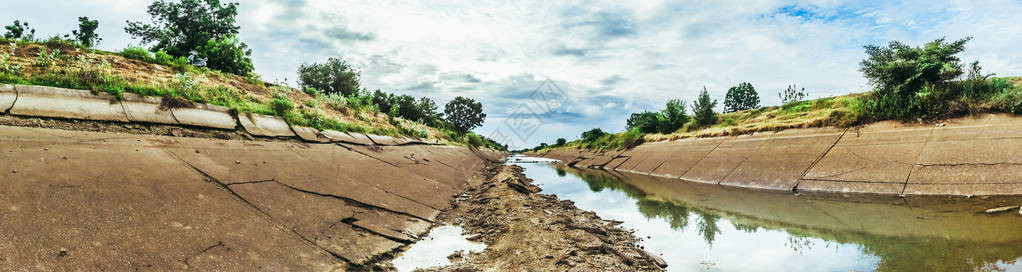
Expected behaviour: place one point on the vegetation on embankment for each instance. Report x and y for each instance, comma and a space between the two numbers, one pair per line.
330, 95
910, 84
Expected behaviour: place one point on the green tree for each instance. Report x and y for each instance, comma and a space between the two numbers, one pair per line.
561, 141
181, 27
592, 135
741, 97
464, 114
427, 111
645, 122
335, 76
672, 117
86, 33
904, 70
228, 55
19, 30
702, 108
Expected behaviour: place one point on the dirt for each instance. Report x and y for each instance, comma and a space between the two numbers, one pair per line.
528, 231
132, 128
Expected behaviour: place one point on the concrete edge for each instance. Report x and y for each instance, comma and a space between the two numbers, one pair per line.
10, 91
264, 125
44, 101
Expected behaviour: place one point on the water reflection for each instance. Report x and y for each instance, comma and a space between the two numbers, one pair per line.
697, 226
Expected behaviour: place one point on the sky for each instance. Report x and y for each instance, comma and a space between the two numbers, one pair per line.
550, 69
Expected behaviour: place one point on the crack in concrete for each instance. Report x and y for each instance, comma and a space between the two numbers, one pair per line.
250, 182
913, 168
187, 260
967, 164
367, 155
825, 152
353, 202
700, 160
627, 158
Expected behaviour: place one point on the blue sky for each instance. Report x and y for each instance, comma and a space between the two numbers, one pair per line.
610, 58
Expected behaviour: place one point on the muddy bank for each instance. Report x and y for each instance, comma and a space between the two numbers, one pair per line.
964, 156
525, 230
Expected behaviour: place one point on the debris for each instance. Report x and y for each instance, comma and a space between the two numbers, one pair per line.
176, 132
237, 162
1002, 209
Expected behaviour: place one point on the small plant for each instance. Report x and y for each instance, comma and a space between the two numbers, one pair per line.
138, 53
44, 60
6, 67
792, 95
281, 104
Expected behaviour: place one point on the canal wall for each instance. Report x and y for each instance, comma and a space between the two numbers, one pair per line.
980, 155
79, 200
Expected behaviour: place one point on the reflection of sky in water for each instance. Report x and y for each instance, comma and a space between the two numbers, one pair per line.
687, 249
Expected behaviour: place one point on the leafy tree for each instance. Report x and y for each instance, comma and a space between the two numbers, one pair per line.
903, 70
228, 55
86, 33
335, 76
427, 111
672, 117
645, 122
181, 27
741, 97
382, 100
592, 135
464, 114
703, 109
561, 141
18, 31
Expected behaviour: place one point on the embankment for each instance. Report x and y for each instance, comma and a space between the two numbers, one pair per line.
84, 200
964, 156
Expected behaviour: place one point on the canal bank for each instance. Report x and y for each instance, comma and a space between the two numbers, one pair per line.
966, 156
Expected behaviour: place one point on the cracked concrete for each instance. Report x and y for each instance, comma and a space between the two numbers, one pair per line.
967, 156
124, 202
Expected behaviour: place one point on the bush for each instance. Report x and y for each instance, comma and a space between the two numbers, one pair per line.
741, 97
227, 54
703, 109
910, 81
645, 122
137, 53
335, 76
590, 136
791, 95
281, 104
19, 31
561, 142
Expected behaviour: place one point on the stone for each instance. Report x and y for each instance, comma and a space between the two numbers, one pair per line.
1001, 209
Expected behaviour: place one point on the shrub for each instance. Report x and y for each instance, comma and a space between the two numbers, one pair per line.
137, 53
161, 57
590, 136
741, 97
672, 117
645, 122
464, 114
912, 81
19, 31
335, 76
561, 142
227, 54
791, 95
86, 33
703, 109
281, 104
46, 60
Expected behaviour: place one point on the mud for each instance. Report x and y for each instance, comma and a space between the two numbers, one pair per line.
528, 231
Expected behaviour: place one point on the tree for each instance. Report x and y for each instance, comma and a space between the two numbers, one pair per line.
228, 55
464, 114
427, 111
703, 109
903, 70
672, 117
382, 100
180, 28
592, 135
792, 95
335, 76
645, 122
86, 33
18, 31
561, 141
741, 97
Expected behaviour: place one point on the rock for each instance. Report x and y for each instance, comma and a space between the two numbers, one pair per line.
656, 259
1001, 209
237, 162
176, 132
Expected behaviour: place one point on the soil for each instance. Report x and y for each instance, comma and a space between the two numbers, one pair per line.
528, 231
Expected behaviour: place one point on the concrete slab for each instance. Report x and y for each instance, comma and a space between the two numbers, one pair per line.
146, 109
724, 159
265, 125
361, 139
786, 155
684, 154
963, 189
206, 115
42, 101
850, 187
966, 174
7, 97
309, 134
341, 137
382, 139
880, 152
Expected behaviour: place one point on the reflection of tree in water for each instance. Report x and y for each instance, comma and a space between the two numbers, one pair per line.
898, 253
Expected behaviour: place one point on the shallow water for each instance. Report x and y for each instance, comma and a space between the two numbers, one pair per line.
700, 227
433, 250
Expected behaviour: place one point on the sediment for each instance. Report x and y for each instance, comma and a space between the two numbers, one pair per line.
525, 230
968, 156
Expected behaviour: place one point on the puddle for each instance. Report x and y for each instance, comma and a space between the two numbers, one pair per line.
433, 250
